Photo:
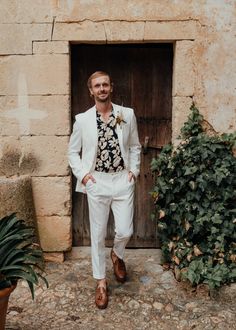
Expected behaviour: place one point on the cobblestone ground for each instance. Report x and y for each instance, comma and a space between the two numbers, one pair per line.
150, 299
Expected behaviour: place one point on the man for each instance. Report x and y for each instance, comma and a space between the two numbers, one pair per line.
104, 154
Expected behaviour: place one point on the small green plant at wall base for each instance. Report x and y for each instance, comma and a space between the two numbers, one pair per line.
195, 204
20, 258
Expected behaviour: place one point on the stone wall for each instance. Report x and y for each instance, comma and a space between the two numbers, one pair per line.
35, 81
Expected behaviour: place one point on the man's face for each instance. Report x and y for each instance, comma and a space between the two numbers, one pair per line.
101, 88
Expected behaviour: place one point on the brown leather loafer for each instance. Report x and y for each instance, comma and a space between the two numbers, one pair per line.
119, 267
101, 297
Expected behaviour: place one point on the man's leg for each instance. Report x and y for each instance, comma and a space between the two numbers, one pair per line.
99, 207
98, 216
123, 210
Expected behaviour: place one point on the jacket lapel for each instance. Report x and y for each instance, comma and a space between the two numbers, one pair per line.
93, 127
117, 111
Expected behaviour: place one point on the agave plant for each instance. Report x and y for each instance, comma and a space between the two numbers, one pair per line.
20, 258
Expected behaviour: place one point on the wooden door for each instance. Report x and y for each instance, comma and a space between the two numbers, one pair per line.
142, 76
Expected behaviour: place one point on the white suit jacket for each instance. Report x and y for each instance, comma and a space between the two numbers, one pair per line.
82, 152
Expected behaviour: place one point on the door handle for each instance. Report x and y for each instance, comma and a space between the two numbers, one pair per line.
145, 146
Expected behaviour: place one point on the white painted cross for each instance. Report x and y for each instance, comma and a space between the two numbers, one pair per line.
23, 114
70, 4
65, 6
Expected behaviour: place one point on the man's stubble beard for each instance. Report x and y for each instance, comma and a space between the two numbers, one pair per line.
107, 99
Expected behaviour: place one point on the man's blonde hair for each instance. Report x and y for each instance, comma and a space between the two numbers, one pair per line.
96, 75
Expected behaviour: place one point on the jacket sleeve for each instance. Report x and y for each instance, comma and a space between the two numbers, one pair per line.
134, 147
74, 151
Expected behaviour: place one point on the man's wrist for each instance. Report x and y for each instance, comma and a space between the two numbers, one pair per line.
85, 179
131, 173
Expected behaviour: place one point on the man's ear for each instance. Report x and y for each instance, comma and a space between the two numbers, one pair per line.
112, 87
91, 92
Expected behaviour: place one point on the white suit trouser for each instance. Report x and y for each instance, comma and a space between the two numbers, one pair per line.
111, 190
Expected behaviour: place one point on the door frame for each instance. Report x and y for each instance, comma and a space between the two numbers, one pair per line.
153, 113
183, 73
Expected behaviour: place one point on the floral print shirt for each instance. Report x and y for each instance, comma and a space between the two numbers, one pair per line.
109, 158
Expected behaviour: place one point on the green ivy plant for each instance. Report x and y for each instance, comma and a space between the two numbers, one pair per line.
195, 204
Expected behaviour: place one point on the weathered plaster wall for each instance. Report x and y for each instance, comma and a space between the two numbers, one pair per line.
35, 80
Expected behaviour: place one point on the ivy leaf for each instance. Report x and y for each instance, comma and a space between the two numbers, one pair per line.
197, 252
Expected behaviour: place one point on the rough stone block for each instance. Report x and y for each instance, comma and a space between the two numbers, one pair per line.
183, 73
85, 31
50, 47
169, 31
16, 197
50, 153
34, 74
10, 156
27, 11
53, 119
215, 78
132, 10
35, 155
81, 252
55, 233
17, 38
227, 293
51, 195
124, 31
57, 257
180, 112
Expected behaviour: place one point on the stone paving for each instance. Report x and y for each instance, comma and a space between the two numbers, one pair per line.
150, 299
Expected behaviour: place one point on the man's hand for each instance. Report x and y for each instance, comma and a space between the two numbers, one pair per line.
88, 177
131, 176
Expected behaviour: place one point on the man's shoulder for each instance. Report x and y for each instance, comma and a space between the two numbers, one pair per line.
85, 114
122, 109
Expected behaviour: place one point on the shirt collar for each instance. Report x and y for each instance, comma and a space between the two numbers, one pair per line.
112, 115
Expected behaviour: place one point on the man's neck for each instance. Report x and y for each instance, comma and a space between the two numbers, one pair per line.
103, 107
